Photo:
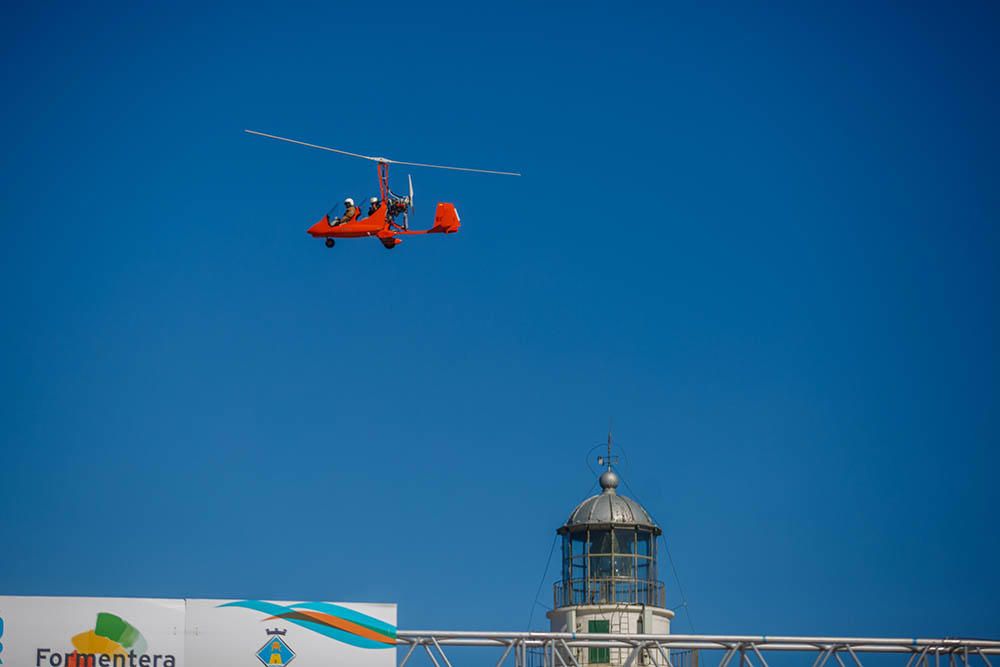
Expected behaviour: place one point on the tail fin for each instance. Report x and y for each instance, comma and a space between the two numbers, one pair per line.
446, 220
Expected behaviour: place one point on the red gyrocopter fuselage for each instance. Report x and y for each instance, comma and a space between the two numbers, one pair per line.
382, 224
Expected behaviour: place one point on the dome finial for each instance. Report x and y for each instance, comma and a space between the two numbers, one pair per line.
609, 481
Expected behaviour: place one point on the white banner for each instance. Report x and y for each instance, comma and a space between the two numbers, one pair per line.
274, 634
91, 632
143, 632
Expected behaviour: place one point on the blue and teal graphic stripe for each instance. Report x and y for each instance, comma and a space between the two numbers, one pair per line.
330, 620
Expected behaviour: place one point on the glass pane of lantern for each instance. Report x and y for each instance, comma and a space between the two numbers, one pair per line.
600, 567
579, 592
600, 541
579, 542
643, 543
624, 566
624, 541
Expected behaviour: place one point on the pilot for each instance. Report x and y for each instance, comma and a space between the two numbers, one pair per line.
350, 212
373, 205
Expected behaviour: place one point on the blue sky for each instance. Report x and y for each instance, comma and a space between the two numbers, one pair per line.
762, 239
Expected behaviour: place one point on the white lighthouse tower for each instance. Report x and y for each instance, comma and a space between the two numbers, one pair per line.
609, 582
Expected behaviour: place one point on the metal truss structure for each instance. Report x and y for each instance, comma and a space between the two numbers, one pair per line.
561, 649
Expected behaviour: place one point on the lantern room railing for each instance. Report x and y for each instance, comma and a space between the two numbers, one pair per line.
608, 591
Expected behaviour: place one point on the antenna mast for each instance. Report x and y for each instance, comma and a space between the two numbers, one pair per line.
608, 460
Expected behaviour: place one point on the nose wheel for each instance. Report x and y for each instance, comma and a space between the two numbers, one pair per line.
330, 243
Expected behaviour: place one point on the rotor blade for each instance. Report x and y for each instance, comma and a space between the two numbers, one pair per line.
380, 159
440, 166
322, 148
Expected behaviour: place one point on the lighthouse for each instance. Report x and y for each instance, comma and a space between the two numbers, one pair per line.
609, 574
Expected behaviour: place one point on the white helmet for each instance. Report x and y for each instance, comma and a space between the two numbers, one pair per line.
374, 200
348, 202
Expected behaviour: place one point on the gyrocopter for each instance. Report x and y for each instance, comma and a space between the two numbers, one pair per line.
388, 216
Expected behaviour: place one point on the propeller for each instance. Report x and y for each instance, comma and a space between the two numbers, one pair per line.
383, 160
409, 204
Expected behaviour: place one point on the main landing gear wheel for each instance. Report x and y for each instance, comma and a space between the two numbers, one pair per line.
330, 243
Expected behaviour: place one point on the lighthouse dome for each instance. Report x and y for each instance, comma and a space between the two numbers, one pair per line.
609, 508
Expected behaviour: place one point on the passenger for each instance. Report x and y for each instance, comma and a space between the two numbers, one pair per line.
373, 205
350, 213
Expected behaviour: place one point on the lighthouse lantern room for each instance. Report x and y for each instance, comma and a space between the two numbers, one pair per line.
609, 575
